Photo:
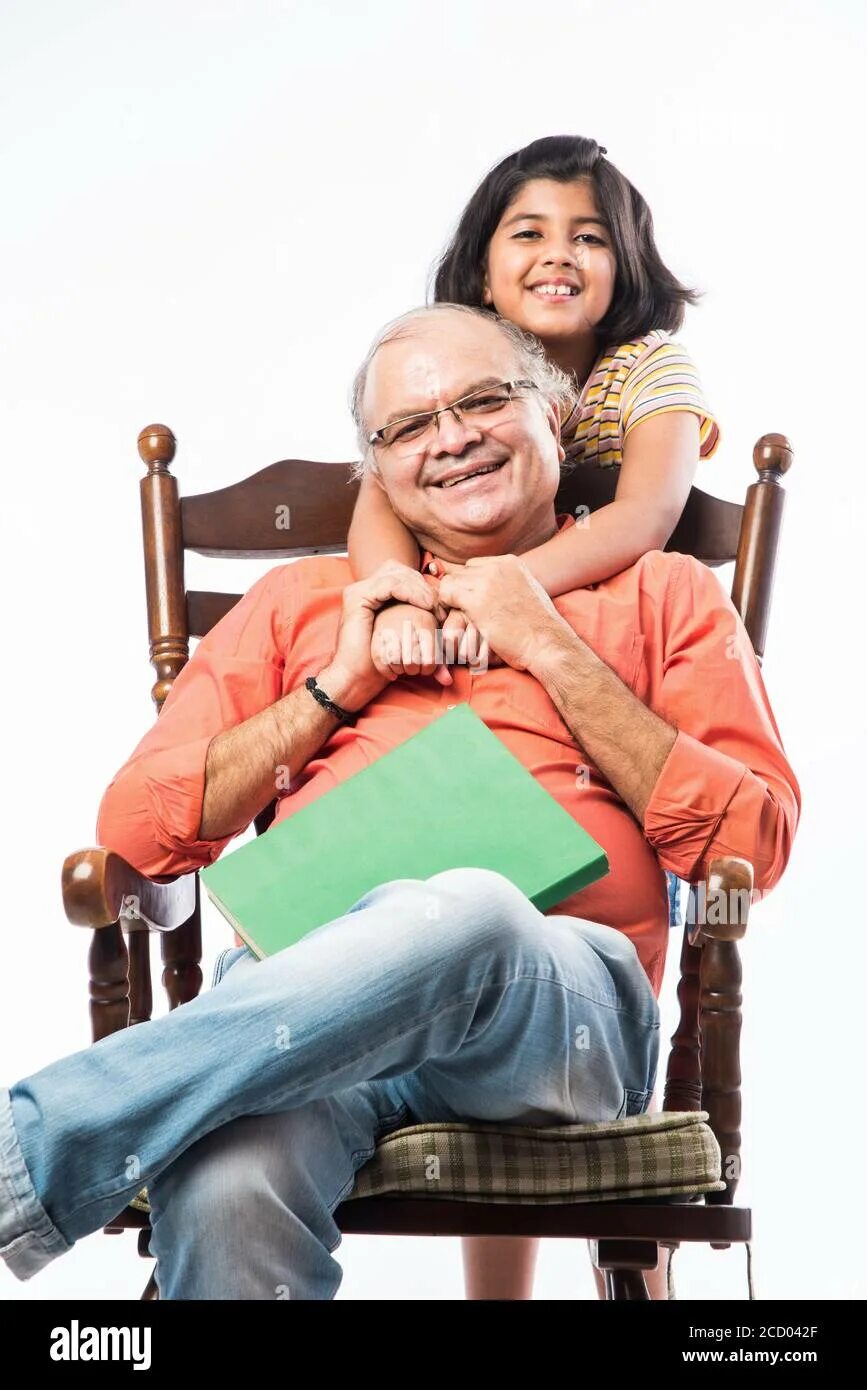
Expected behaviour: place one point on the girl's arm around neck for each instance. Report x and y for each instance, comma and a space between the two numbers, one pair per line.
376, 534
660, 457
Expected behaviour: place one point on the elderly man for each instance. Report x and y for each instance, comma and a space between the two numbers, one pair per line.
637, 703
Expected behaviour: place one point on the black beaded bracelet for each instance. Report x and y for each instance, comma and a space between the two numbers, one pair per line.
318, 694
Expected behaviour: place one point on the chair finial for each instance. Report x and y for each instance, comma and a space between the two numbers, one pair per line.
773, 454
156, 447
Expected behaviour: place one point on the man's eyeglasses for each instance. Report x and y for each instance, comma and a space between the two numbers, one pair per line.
410, 434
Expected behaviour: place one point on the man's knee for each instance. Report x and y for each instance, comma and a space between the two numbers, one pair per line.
240, 1174
485, 906
243, 1213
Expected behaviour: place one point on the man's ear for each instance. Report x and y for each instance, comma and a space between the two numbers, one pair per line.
376, 476
552, 414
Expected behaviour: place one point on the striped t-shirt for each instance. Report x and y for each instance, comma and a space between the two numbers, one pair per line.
644, 377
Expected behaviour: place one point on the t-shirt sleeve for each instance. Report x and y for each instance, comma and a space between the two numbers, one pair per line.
151, 811
665, 379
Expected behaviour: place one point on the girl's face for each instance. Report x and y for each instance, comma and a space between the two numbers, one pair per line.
550, 266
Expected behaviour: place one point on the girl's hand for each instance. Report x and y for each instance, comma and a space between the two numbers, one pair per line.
404, 643
462, 643
508, 605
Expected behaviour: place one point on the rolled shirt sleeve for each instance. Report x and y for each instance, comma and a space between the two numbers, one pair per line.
151, 811
726, 787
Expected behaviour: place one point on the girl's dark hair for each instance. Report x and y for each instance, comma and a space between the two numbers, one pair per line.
646, 294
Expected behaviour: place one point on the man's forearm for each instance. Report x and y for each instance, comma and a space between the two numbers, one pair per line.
244, 763
627, 741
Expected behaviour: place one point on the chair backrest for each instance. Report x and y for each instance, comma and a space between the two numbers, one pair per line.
298, 507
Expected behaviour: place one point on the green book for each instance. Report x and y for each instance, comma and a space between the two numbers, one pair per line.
451, 796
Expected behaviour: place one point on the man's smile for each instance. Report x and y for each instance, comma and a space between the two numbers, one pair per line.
469, 474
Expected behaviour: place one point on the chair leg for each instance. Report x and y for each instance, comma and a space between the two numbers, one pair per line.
625, 1285
623, 1263
151, 1293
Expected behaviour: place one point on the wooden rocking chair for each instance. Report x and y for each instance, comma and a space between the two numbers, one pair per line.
703, 1072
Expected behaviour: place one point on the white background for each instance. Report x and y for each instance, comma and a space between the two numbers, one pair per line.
208, 208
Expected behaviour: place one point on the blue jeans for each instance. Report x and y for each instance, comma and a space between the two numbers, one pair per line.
248, 1111
676, 888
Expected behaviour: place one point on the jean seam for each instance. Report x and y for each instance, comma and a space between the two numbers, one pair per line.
365, 1154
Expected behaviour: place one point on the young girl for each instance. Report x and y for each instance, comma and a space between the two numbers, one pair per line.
557, 240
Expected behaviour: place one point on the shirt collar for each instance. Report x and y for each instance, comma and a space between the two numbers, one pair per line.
563, 519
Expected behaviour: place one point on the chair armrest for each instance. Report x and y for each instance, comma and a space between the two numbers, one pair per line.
99, 888
723, 901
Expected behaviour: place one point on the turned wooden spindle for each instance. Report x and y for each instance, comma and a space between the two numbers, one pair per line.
169, 652
759, 538
683, 1077
182, 956
164, 560
723, 922
108, 968
141, 999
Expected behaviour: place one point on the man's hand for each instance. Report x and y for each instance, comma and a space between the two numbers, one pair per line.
351, 678
405, 644
507, 604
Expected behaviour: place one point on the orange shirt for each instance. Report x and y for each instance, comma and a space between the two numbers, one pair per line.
664, 625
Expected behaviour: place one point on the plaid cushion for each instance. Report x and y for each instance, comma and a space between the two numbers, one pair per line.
659, 1155
674, 1153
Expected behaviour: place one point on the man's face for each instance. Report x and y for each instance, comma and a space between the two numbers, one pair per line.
442, 359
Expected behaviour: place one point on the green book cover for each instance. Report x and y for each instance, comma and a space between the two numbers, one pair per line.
451, 796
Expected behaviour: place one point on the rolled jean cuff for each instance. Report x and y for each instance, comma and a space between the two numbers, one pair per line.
29, 1239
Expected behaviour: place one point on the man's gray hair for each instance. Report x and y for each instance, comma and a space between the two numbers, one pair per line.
532, 363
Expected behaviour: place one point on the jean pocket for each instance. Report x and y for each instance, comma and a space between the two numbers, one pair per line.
634, 1102
218, 966
228, 957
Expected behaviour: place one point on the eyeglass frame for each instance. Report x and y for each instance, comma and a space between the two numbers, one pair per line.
376, 436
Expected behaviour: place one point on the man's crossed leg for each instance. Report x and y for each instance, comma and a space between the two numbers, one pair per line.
248, 1111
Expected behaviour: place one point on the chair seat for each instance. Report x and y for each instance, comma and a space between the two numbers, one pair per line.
674, 1153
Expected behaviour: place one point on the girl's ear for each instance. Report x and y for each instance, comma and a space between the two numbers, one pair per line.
487, 297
